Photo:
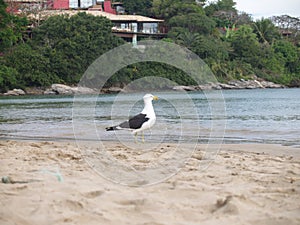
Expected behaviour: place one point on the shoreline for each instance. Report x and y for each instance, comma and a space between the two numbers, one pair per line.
293, 143
62, 89
244, 183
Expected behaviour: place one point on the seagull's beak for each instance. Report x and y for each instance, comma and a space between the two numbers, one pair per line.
155, 98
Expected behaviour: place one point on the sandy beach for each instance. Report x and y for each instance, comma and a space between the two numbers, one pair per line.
52, 183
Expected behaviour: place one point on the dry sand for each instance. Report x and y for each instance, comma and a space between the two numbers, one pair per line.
244, 184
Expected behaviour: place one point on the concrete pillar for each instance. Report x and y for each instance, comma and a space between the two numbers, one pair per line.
134, 40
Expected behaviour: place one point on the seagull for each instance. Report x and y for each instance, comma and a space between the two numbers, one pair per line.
142, 121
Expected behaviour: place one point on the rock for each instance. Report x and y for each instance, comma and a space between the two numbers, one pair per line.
268, 84
258, 83
115, 90
253, 84
184, 88
209, 86
67, 90
15, 92
6, 180
226, 86
205, 87
234, 84
62, 89
34, 91
237, 84
217, 86
49, 92
84, 90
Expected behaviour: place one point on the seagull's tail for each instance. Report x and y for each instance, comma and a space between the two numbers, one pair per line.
112, 128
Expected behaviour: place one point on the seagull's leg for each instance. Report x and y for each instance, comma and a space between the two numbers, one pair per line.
135, 137
143, 137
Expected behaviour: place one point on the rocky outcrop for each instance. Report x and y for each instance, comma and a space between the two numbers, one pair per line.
34, 90
235, 84
62, 89
15, 92
252, 84
185, 88
267, 84
112, 90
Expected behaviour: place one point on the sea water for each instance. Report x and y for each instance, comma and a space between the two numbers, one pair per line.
230, 116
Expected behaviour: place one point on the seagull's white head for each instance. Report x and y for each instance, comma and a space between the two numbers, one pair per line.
149, 97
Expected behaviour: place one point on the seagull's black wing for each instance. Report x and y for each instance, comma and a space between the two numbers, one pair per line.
135, 122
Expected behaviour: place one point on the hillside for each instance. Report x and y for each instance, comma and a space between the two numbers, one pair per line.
60, 49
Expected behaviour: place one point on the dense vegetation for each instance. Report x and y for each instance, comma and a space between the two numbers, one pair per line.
60, 50
234, 46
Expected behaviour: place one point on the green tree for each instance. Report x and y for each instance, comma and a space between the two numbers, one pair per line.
61, 50
72, 43
290, 55
212, 49
8, 78
245, 45
166, 9
141, 7
223, 12
33, 68
266, 31
188, 39
194, 22
243, 18
220, 5
11, 28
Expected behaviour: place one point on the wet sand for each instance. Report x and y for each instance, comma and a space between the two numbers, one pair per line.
52, 183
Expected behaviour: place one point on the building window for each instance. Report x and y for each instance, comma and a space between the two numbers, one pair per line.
150, 28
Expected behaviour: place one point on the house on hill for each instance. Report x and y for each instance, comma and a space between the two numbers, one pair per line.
129, 27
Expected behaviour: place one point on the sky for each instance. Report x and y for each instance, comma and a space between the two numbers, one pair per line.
267, 8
